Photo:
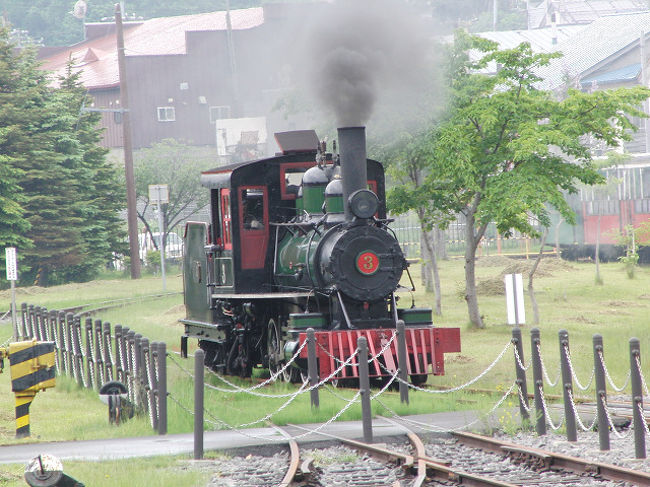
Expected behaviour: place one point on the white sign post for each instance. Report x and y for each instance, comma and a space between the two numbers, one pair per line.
12, 276
515, 299
159, 195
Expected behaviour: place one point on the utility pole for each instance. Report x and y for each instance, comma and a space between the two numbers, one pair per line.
495, 14
233, 62
132, 216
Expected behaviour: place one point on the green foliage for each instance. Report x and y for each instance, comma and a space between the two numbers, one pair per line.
58, 195
16, 97
505, 150
179, 166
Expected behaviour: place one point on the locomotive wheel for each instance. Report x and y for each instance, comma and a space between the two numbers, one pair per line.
418, 379
273, 350
291, 375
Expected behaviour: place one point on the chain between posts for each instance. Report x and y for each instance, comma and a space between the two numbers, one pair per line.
609, 379
432, 428
546, 376
577, 416
643, 382
573, 373
458, 388
547, 415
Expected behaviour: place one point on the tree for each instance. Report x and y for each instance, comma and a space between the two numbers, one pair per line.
98, 182
16, 90
506, 149
407, 159
179, 166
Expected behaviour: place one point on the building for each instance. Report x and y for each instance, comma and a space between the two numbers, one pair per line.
186, 74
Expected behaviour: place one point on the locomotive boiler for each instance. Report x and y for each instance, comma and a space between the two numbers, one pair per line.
296, 241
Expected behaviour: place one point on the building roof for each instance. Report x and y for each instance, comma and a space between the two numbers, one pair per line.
594, 46
581, 11
96, 58
626, 73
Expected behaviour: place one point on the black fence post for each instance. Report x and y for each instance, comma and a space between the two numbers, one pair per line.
521, 373
23, 314
130, 361
76, 351
364, 389
69, 319
108, 362
198, 404
51, 323
637, 398
119, 372
61, 328
312, 367
402, 361
148, 380
162, 388
99, 356
567, 387
90, 362
30, 321
601, 392
35, 314
538, 380
44, 325
137, 369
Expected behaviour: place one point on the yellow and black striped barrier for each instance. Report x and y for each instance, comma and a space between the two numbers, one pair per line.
32, 370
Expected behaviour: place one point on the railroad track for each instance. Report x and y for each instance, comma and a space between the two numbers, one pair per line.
457, 459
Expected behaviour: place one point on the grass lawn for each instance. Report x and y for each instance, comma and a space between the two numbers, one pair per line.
566, 292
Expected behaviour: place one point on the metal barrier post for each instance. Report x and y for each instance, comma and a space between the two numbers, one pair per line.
364, 389
198, 404
119, 373
108, 362
637, 398
402, 361
312, 366
61, 328
567, 387
162, 388
130, 361
76, 350
601, 393
137, 370
521, 373
148, 380
69, 318
30, 321
51, 323
23, 315
99, 356
538, 380
90, 362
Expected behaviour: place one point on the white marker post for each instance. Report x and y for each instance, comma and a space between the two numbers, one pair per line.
12, 276
159, 195
515, 299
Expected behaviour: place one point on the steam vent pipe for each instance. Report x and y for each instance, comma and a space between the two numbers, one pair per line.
354, 169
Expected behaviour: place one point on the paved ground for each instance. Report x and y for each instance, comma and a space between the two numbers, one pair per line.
217, 440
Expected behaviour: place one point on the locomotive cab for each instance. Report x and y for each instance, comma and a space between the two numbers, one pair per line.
295, 241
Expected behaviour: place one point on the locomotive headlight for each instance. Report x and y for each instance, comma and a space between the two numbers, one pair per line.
363, 203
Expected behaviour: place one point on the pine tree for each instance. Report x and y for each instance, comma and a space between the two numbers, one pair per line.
15, 91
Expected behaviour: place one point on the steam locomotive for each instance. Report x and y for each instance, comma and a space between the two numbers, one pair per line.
298, 241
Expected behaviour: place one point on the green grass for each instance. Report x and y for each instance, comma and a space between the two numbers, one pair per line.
139, 472
567, 295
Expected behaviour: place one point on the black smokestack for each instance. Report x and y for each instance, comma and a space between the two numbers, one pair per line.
354, 168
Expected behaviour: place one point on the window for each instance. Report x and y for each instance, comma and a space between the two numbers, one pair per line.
166, 114
226, 219
219, 112
117, 117
253, 209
